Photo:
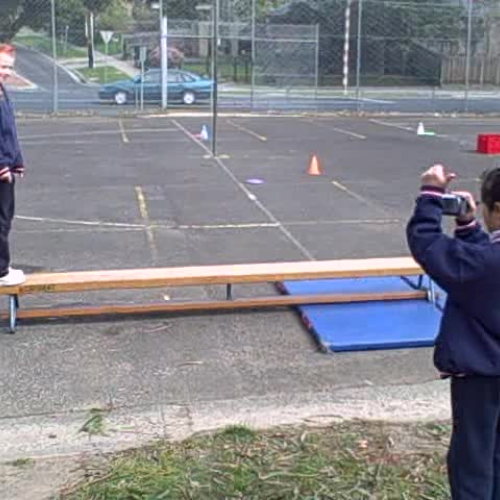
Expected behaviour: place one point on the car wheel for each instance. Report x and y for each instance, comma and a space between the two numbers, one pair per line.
121, 97
188, 98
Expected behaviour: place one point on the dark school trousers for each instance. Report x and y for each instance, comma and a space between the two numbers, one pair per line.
474, 454
7, 206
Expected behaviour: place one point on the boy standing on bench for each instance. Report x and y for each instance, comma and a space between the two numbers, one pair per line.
11, 165
467, 267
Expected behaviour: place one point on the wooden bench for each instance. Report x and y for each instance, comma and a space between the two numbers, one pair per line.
228, 275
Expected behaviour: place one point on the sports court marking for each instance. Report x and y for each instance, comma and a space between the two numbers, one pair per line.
377, 101
358, 197
123, 225
143, 210
392, 125
248, 194
122, 132
89, 226
337, 129
262, 138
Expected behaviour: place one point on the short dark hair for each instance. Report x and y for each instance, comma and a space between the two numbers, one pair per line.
6, 48
490, 187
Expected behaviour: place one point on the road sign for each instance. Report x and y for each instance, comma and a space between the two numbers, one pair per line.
106, 36
143, 54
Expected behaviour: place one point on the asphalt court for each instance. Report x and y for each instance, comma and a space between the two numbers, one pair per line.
139, 192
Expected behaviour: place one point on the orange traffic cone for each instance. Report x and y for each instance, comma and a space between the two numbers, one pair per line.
314, 168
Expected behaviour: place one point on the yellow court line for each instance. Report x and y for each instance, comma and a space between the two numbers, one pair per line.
143, 210
262, 138
122, 131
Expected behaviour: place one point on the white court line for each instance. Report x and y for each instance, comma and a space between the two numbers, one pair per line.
262, 138
80, 222
55, 135
54, 142
248, 193
337, 129
117, 226
358, 197
348, 132
393, 125
377, 101
81, 230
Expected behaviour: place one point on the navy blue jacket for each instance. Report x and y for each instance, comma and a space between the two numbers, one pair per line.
467, 268
10, 153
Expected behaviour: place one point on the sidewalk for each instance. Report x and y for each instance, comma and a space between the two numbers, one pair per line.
100, 59
17, 82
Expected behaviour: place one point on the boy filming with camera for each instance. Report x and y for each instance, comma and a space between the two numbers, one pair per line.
467, 267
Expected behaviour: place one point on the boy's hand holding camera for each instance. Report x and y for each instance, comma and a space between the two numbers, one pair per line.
460, 204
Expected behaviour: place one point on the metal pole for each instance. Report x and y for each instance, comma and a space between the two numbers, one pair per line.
468, 54
254, 16
54, 56
316, 64
164, 62
107, 62
347, 35
142, 82
358, 56
215, 39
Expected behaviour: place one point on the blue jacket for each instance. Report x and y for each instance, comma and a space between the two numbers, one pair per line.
467, 268
10, 153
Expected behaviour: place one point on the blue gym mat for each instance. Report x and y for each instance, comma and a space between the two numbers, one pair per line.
366, 325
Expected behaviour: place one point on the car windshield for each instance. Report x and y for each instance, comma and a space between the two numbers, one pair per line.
152, 77
191, 77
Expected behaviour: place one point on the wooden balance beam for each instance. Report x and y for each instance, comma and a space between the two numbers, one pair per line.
211, 275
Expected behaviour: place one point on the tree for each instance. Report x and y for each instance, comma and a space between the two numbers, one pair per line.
36, 14
93, 7
19, 13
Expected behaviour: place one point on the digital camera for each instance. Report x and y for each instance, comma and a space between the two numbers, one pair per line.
455, 205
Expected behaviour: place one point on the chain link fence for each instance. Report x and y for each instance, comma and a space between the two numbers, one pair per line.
106, 56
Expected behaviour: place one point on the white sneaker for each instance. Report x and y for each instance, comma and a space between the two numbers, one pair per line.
13, 277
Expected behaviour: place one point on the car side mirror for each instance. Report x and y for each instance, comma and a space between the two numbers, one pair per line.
137, 79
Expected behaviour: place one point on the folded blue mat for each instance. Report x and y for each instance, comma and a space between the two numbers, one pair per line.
367, 325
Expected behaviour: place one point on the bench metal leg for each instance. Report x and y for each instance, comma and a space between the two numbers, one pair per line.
431, 293
229, 292
13, 307
420, 281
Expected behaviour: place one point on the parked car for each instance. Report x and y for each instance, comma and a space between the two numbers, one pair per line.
182, 86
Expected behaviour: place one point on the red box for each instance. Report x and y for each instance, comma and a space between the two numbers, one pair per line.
488, 144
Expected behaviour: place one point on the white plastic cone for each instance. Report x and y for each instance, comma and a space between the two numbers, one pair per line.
204, 133
421, 129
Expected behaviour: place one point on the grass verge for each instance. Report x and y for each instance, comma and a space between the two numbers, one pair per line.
103, 74
44, 45
348, 461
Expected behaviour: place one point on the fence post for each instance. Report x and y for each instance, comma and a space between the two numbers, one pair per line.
347, 34
252, 89
316, 64
164, 60
468, 54
358, 55
54, 56
215, 49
